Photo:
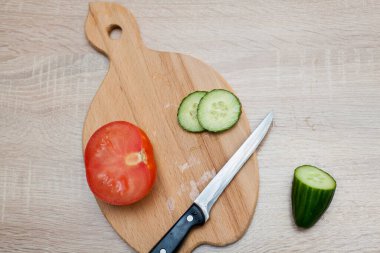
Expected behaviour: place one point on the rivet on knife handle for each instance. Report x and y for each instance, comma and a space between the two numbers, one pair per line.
176, 235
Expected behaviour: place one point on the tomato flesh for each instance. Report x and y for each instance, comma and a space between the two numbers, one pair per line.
120, 166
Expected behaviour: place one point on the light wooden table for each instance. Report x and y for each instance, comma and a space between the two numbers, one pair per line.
316, 64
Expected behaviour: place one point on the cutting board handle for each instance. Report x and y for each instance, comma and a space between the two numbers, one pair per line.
105, 17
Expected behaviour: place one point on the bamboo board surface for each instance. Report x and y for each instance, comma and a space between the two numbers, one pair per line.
145, 87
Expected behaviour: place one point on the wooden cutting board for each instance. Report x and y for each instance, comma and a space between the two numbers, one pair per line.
145, 87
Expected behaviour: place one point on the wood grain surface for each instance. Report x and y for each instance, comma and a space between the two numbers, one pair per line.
316, 64
145, 87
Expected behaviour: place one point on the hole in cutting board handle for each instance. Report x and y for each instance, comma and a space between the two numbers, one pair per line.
114, 32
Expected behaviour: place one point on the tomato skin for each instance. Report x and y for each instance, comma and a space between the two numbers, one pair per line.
120, 165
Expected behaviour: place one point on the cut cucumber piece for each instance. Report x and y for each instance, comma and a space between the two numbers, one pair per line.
219, 110
312, 192
187, 112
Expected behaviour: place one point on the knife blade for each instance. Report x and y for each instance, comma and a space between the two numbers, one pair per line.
199, 211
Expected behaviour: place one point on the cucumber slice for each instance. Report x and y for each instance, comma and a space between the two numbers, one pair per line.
187, 112
312, 192
219, 110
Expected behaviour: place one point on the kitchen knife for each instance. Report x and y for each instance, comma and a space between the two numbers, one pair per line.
199, 211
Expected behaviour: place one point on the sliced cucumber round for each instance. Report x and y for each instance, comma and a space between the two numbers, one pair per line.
187, 112
219, 110
312, 192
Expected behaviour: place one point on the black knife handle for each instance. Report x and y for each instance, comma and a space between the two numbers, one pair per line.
176, 235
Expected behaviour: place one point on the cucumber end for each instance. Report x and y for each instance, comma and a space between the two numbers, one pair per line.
312, 192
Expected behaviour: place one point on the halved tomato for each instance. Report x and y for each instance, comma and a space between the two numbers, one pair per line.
120, 166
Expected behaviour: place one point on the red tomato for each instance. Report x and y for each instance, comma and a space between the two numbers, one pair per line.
120, 166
